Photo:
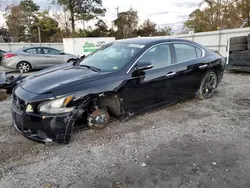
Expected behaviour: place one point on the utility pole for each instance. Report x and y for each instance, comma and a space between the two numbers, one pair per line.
83, 24
117, 11
39, 35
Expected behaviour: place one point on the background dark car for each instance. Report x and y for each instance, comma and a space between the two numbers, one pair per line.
121, 78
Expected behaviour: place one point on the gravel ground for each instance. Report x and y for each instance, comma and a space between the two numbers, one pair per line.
192, 144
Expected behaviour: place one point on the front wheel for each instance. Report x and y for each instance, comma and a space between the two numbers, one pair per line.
208, 86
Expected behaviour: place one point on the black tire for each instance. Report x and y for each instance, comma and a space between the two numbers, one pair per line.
248, 45
237, 47
238, 40
208, 85
241, 58
24, 66
248, 38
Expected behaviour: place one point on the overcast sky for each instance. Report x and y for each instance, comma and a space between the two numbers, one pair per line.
163, 12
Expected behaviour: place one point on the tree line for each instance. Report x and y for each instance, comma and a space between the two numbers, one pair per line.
220, 14
26, 19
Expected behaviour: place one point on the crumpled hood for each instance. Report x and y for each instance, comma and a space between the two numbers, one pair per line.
58, 77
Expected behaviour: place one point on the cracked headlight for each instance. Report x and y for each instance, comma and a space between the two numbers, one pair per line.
56, 106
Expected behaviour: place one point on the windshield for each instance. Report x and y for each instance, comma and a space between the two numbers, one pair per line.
113, 57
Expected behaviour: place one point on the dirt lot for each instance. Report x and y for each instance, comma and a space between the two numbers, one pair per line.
193, 144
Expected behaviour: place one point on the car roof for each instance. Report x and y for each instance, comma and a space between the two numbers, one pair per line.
153, 40
31, 47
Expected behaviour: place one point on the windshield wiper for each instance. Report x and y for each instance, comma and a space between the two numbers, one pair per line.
91, 68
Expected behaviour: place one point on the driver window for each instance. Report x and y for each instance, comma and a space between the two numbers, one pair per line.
159, 56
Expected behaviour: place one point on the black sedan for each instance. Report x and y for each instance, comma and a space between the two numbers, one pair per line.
122, 78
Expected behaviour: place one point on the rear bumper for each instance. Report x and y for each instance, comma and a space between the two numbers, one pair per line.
8, 63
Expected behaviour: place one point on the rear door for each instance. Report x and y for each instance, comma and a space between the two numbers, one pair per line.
152, 87
190, 69
34, 56
53, 56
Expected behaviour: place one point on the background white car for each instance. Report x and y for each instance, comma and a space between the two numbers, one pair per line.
35, 58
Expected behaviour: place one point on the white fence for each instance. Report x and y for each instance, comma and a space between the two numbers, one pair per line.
217, 40
16, 46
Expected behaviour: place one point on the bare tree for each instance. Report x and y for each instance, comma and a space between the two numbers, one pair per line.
63, 18
82, 10
126, 23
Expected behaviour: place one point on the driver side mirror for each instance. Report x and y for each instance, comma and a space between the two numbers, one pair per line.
144, 66
62, 53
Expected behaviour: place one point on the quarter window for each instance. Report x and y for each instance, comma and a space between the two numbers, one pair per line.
159, 56
184, 52
198, 52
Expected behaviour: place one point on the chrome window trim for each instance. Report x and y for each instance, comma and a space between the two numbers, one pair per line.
172, 42
203, 51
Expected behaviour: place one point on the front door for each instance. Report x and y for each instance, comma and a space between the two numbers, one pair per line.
53, 57
151, 87
34, 57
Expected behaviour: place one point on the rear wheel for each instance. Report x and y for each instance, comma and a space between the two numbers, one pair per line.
24, 66
208, 85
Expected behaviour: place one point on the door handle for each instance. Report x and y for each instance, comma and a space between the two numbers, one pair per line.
203, 66
170, 75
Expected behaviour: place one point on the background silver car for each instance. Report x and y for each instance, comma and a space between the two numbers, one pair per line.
35, 58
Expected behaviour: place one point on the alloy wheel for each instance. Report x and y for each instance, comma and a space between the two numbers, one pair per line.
23, 66
209, 85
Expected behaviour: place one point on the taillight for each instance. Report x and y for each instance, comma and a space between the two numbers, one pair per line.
8, 55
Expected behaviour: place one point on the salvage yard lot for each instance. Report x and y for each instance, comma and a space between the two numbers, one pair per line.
192, 144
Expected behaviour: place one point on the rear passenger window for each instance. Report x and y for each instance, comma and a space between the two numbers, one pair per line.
198, 52
159, 56
184, 52
31, 51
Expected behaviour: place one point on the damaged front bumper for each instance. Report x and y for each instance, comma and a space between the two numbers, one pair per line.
45, 129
